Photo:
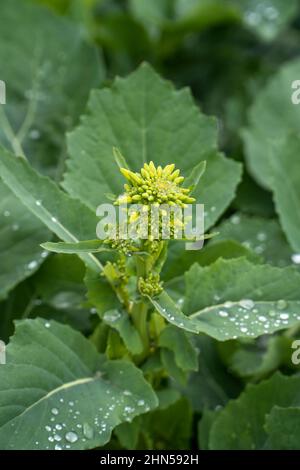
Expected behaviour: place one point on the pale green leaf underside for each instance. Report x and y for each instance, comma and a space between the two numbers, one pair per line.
55, 383
69, 219
235, 298
272, 117
88, 246
146, 119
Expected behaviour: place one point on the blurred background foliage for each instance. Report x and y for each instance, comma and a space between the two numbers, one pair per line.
224, 50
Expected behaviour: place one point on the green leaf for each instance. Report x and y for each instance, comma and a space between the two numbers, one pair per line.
240, 299
237, 279
180, 260
171, 367
283, 428
168, 309
100, 293
263, 236
258, 360
177, 341
236, 299
121, 322
170, 428
144, 117
212, 385
272, 117
120, 160
55, 377
46, 85
269, 17
20, 236
88, 246
194, 177
252, 408
69, 219
287, 197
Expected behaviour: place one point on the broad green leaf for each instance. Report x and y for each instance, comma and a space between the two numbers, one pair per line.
60, 294
236, 320
283, 428
272, 117
20, 236
177, 341
47, 85
240, 299
252, 408
285, 167
263, 236
236, 299
147, 119
59, 387
88, 246
69, 219
121, 322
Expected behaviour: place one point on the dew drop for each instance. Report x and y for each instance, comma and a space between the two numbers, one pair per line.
88, 431
141, 402
57, 437
47, 325
34, 134
284, 316
296, 258
54, 219
54, 411
248, 304
38, 203
32, 265
57, 447
261, 236
281, 304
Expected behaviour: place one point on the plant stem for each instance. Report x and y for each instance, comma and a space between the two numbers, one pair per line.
140, 309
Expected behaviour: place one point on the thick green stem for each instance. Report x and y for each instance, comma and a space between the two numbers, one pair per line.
140, 309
